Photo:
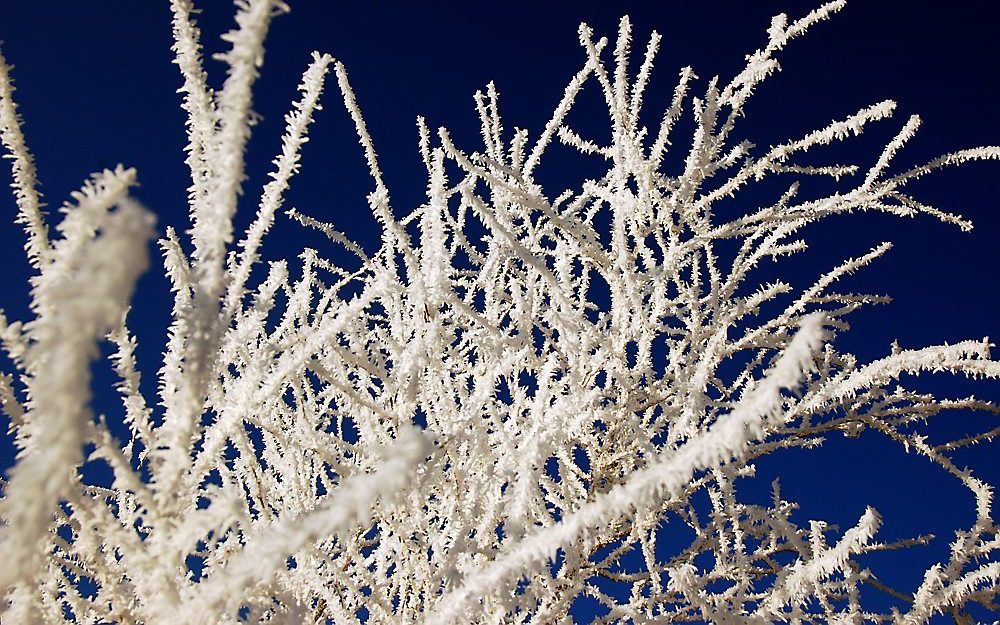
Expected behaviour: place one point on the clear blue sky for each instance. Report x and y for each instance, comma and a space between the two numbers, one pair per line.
96, 87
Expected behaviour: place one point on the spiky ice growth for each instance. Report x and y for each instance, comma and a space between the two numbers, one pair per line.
580, 387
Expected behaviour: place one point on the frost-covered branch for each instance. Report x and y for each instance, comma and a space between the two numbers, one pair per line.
79, 296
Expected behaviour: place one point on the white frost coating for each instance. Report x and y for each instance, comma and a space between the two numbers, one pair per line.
197, 101
79, 296
266, 551
212, 227
800, 581
661, 480
213, 205
596, 395
287, 164
23, 168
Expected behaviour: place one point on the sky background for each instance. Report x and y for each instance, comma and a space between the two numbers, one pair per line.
96, 87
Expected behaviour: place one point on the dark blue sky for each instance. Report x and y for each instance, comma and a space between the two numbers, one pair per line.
96, 87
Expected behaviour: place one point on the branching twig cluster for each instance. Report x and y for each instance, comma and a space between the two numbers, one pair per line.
578, 387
